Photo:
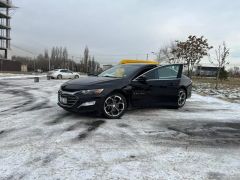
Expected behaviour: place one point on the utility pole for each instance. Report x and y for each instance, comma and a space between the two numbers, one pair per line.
147, 56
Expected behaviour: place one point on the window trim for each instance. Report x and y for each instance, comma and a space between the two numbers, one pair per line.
180, 67
167, 79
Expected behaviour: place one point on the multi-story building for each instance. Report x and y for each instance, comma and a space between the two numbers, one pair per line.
5, 6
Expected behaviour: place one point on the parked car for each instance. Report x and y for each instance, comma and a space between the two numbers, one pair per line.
62, 74
125, 86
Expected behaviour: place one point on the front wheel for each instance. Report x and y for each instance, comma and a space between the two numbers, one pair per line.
76, 77
181, 99
114, 106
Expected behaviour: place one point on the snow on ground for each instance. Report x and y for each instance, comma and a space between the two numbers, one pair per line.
18, 76
39, 140
231, 94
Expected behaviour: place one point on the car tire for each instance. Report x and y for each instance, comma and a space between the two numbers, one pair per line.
59, 76
76, 77
114, 106
181, 98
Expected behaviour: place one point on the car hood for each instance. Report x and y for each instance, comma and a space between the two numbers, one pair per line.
89, 83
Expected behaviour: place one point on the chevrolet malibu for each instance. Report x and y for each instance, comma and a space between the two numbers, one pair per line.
125, 86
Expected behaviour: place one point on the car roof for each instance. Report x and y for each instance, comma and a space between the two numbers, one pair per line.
137, 61
141, 66
138, 64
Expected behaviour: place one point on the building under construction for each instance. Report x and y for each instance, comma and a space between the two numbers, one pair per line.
5, 6
5, 63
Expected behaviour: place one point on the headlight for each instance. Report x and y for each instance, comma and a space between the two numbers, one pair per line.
92, 91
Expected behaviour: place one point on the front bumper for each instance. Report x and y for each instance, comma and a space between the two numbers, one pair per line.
79, 103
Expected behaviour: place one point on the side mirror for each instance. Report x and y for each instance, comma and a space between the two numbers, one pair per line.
142, 78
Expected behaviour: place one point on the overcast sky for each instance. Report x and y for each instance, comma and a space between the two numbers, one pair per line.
116, 29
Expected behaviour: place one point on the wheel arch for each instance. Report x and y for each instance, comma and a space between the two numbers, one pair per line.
184, 88
120, 91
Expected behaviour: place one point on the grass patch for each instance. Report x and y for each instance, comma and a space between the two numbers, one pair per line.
229, 83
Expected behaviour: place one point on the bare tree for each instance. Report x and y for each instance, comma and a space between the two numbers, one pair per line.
192, 51
220, 60
167, 54
59, 58
85, 59
46, 57
235, 71
64, 57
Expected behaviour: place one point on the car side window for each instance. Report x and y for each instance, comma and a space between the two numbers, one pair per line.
165, 72
64, 71
143, 71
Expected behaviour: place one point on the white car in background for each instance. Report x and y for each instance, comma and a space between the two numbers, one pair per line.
62, 74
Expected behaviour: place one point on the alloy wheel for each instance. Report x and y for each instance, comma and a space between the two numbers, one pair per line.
181, 98
114, 106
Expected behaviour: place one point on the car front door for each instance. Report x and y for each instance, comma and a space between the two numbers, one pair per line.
157, 87
70, 74
64, 73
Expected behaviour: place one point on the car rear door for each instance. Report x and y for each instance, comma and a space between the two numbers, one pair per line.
161, 86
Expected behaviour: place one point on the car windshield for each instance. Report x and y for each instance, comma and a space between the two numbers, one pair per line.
119, 71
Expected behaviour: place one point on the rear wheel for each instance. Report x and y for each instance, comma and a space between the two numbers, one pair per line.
76, 76
114, 106
181, 99
59, 76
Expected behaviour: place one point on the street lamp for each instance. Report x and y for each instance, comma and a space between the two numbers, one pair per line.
156, 54
151, 53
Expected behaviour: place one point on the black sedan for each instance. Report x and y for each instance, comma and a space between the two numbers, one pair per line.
125, 86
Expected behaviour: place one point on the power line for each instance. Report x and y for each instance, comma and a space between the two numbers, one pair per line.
25, 50
108, 55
